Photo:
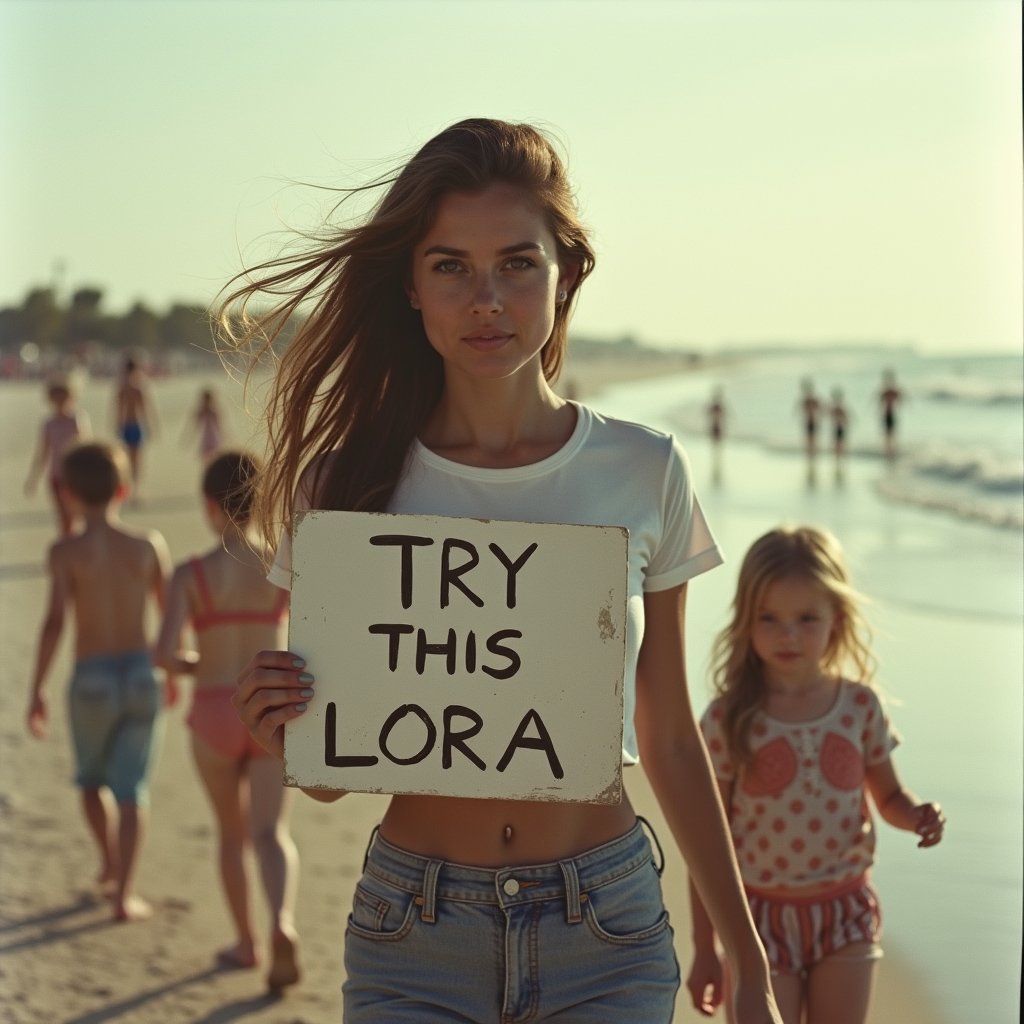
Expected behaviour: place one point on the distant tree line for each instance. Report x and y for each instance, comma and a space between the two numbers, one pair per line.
82, 323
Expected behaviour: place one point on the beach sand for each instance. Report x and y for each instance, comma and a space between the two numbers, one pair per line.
61, 957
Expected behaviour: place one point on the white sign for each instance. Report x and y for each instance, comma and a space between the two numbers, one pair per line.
459, 657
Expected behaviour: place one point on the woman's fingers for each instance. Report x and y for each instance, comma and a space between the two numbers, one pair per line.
272, 690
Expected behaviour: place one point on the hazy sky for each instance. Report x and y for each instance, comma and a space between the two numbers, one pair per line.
767, 170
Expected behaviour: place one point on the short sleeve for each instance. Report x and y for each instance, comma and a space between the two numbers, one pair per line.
280, 573
714, 739
878, 735
686, 547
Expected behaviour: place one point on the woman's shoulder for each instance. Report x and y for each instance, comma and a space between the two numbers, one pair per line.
628, 435
310, 479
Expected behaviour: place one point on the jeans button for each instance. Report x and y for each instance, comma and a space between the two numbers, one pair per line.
511, 886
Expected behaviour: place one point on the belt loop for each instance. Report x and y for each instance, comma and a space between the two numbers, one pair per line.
659, 865
430, 873
572, 892
366, 852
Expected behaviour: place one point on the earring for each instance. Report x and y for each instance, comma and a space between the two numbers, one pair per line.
562, 296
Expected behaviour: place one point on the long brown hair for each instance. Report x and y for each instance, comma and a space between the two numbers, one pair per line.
808, 553
360, 378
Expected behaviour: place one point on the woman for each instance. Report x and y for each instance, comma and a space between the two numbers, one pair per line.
421, 384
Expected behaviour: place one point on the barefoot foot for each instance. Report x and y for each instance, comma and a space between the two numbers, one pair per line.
240, 957
132, 908
284, 967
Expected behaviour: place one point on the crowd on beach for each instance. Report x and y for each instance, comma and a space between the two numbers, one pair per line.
817, 415
421, 384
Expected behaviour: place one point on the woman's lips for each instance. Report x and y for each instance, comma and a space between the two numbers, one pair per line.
485, 341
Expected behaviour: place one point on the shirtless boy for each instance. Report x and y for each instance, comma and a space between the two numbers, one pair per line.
106, 575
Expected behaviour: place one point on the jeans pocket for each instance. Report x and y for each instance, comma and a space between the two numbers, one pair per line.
381, 912
629, 909
143, 695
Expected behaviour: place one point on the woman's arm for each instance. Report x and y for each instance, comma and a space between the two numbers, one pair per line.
705, 980
901, 808
676, 762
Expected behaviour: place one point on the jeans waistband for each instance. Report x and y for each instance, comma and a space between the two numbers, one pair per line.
117, 661
569, 880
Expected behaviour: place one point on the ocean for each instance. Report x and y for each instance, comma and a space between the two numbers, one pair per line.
935, 542
960, 424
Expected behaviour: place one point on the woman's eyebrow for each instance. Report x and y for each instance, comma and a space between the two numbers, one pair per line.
446, 250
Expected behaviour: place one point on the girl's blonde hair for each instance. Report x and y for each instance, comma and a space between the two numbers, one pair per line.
801, 551
360, 378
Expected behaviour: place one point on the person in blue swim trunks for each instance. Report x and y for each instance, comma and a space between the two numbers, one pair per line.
134, 416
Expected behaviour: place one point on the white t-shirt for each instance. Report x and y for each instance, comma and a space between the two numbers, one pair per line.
609, 473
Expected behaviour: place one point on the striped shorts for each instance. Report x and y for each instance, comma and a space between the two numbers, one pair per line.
799, 933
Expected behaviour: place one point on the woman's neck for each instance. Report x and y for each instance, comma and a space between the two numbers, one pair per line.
499, 423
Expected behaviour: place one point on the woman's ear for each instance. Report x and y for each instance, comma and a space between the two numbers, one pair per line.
568, 276
414, 300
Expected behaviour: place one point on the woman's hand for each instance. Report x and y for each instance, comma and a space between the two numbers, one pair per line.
273, 689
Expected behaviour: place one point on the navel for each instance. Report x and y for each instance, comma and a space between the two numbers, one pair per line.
508, 833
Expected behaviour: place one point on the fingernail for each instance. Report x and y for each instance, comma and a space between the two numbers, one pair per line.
305, 677
306, 693
300, 707
299, 662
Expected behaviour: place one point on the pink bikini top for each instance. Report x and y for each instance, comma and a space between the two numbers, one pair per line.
209, 616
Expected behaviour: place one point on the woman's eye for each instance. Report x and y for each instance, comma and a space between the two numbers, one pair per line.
520, 263
447, 266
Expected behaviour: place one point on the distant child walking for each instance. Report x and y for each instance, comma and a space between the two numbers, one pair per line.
205, 423
235, 612
798, 739
107, 575
59, 431
134, 416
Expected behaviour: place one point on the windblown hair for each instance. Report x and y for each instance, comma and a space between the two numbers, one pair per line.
94, 472
737, 672
360, 378
230, 480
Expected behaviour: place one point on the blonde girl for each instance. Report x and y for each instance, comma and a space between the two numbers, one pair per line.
421, 383
234, 611
799, 739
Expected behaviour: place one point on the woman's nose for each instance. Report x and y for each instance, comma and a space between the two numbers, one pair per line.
486, 296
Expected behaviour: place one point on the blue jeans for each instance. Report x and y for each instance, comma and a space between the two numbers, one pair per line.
115, 703
584, 940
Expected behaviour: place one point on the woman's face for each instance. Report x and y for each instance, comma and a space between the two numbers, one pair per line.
486, 280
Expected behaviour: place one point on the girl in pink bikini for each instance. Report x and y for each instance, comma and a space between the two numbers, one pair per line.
799, 740
234, 611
